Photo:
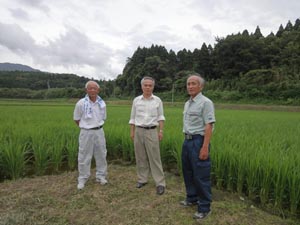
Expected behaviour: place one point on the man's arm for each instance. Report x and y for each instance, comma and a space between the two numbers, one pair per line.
161, 129
203, 154
132, 128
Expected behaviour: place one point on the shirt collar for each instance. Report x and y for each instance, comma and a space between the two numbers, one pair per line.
197, 97
151, 97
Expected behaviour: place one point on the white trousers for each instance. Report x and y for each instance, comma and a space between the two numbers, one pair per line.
91, 143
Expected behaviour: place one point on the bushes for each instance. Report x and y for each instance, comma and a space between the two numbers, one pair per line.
224, 96
41, 94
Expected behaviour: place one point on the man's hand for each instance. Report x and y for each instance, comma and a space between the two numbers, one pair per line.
160, 135
203, 154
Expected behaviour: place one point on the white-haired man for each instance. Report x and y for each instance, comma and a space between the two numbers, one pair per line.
146, 130
198, 122
89, 115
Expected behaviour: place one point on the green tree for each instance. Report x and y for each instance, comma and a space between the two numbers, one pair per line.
257, 34
203, 62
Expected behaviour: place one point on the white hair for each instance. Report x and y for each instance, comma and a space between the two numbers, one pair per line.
199, 78
90, 82
147, 78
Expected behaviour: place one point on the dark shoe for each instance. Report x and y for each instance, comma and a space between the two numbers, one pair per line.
160, 190
140, 185
201, 215
185, 203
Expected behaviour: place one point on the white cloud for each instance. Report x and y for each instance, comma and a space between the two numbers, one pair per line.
94, 38
19, 14
16, 39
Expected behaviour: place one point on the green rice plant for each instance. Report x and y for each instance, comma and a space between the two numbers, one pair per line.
13, 153
231, 180
117, 133
266, 172
56, 148
266, 177
113, 136
176, 154
257, 171
220, 158
127, 147
252, 152
241, 175
221, 145
171, 148
281, 184
294, 190
118, 142
219, 170
71, 147
173, 138
40, 148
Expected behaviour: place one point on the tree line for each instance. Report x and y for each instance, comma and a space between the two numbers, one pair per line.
239, 66
243, 66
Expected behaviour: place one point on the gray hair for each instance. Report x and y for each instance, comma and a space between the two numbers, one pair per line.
91, 81
148, 78
199, 77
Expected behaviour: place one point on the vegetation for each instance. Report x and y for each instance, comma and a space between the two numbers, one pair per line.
251, 154
241, 67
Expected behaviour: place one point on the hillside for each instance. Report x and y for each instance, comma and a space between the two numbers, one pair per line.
37, 80
15, 67
55, 200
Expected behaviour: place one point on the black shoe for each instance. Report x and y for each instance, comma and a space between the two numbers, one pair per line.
140, 185
160, 190
185, 203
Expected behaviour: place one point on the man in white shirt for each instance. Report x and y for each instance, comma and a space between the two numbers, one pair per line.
89, 115
146, 130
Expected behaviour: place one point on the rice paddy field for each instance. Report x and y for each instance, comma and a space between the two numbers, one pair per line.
254, 153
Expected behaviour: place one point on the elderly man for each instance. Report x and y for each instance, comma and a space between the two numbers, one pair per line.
198, 121
89, 115
146, 115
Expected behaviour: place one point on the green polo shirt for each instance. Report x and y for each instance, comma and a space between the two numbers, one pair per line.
198, 112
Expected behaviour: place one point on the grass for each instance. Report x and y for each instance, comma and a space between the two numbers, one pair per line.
55, 200
253, 151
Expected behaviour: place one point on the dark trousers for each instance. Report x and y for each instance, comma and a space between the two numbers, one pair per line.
196, 173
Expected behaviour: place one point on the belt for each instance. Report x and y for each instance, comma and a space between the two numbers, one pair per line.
192, 136
147, 128
96, 128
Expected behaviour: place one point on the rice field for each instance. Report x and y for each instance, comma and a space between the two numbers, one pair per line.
254, 153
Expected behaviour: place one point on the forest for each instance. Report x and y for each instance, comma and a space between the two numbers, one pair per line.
242, 67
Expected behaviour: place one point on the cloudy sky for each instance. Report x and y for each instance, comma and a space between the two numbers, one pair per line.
93, 38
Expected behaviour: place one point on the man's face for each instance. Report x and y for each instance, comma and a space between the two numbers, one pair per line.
193, 86
92, 90
147, 87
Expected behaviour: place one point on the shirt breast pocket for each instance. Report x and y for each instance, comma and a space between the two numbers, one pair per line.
195, 117
140, 108
154, 110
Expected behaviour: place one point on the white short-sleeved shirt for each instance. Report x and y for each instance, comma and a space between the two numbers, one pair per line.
98, 115
146, 111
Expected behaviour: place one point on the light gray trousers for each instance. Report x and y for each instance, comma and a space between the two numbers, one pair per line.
91, 143
147, 155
